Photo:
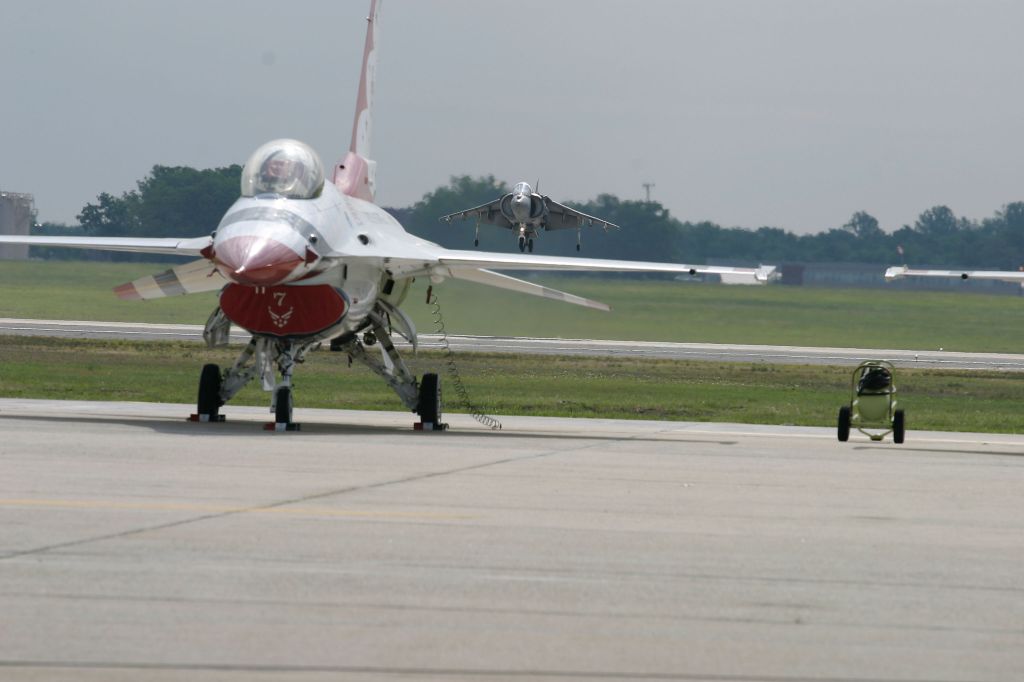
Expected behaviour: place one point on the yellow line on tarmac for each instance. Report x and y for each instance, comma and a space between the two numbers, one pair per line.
108, 505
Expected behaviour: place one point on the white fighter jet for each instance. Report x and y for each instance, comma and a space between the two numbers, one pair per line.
305, 257
525, 211
1001, 275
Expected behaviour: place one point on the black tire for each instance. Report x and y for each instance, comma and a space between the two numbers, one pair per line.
430, 399
476, 242
899, 424
283, 406
522, 244
844, 423
208, 401
529, 246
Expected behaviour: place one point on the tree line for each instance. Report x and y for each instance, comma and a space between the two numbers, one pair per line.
186, 202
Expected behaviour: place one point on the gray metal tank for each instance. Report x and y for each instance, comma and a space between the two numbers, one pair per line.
17, 213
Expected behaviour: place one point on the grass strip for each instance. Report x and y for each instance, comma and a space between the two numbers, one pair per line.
501, 384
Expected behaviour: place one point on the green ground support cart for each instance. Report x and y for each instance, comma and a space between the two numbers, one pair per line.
872, 403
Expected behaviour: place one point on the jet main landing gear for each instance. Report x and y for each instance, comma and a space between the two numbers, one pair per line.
209, 401
429, 406
422, 398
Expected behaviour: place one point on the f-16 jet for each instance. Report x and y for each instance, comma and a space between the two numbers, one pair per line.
525, 212
306, 257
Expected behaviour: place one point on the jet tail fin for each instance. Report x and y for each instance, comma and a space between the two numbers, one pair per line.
354, 175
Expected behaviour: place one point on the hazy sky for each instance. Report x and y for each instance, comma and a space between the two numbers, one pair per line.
792, 113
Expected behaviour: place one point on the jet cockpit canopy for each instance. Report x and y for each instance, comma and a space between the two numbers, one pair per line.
286, 168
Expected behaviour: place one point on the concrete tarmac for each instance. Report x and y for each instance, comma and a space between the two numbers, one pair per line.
137, 546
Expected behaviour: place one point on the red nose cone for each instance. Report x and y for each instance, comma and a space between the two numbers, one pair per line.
256, 261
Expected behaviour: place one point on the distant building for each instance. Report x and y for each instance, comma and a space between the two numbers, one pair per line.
17, 215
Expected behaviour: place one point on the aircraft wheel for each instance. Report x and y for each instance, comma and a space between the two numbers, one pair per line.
476, 242
283, 406
430, 399
844, 423
577, 247
522, 244
529, 246
898, 426
209, 401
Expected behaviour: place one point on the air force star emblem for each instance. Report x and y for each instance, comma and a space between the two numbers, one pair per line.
280, 320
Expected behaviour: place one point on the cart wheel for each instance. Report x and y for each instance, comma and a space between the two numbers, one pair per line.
844, 423
898, 426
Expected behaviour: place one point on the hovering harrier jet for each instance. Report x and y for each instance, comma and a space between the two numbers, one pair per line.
525, 212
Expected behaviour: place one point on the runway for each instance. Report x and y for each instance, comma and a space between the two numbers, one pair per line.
790, 355
135, 545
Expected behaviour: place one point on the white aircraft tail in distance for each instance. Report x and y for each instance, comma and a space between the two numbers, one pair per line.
526, 212
305, 257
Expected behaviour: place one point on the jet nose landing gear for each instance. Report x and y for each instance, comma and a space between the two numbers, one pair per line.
281, 406
282, 411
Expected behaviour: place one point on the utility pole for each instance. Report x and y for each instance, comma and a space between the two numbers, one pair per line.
647, 188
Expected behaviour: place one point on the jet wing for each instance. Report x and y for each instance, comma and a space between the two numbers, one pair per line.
190, 278
1003, 275
426, 259
456, 260
167, 246
564, 218
489, 213
439, 263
